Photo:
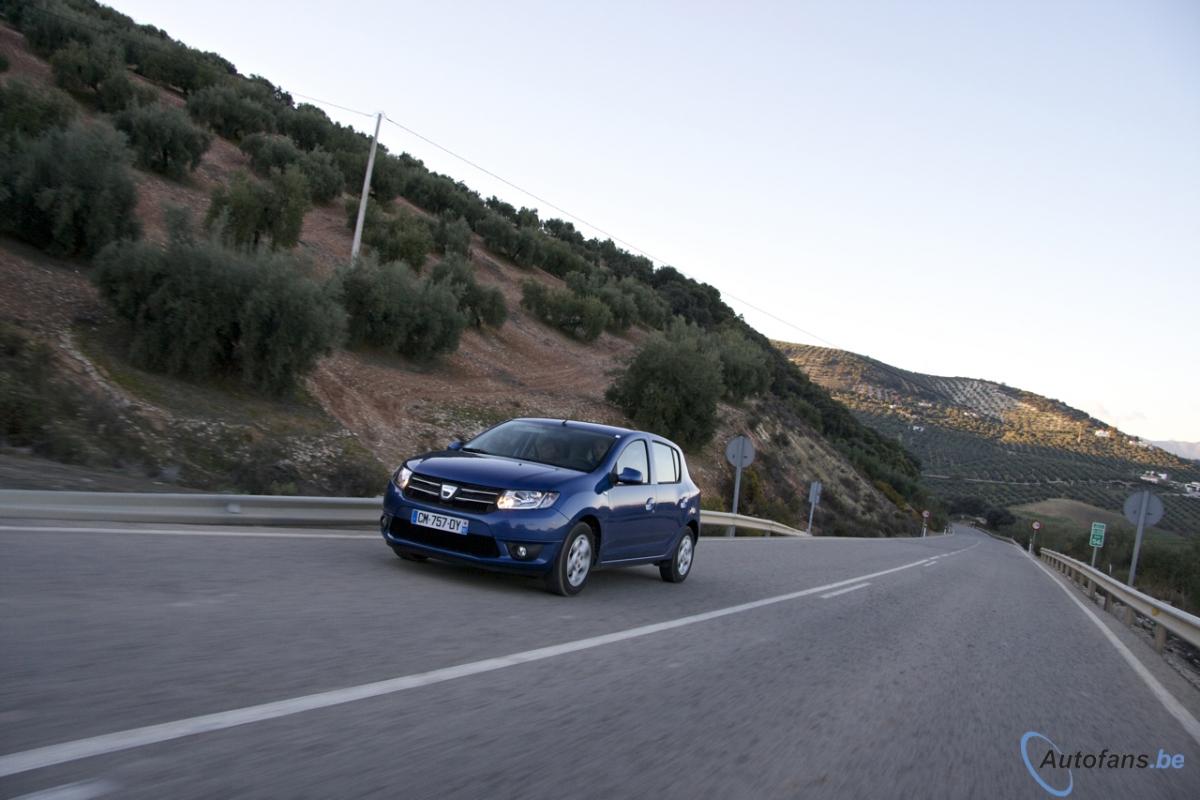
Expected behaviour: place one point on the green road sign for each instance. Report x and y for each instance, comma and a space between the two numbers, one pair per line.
1097, 534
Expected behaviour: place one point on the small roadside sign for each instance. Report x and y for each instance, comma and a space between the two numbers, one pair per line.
1097, 534
814, 493
1037, 526
925, 514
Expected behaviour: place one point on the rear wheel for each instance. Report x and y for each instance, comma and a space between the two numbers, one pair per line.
408, 555
571, 568
676, 570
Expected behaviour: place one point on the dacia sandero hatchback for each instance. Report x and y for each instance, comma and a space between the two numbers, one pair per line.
552, 498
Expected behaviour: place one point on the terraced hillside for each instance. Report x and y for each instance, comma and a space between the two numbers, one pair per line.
1002, 444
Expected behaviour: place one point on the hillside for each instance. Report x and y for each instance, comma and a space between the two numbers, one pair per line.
1007, 446
76, 395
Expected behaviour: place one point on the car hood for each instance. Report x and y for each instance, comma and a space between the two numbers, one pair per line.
493, 471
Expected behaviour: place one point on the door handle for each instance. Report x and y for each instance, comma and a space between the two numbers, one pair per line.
650, 504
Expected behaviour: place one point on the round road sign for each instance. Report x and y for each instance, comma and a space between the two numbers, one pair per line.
925, 514
1154, 507
740, 451
1037, 526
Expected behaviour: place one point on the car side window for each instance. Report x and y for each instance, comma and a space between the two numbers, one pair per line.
666, 464
635, 456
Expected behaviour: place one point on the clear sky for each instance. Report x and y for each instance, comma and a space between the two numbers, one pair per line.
1005, 190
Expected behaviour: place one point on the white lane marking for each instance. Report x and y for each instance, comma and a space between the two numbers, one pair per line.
166, 532
83, 790
843, 591
931, 564
1173, 706
50, 755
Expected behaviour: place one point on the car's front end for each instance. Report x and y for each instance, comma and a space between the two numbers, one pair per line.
489, 512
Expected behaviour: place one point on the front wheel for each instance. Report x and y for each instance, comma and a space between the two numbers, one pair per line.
677, 569
570, 570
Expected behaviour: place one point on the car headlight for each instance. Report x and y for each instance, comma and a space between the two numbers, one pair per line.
516, 499
401, 477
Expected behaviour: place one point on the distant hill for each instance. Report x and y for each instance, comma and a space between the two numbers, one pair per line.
1188, 450
1004, 445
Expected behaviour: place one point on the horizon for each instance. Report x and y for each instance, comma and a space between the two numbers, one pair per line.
946, 157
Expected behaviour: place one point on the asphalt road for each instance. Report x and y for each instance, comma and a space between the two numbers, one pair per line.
920, 684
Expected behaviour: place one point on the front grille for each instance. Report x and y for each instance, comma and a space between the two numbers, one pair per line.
479, 499
471, 544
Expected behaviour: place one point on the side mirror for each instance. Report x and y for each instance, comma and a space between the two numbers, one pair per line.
455, 445
630, 475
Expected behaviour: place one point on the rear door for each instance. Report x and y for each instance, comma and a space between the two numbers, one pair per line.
629, 532
668, 476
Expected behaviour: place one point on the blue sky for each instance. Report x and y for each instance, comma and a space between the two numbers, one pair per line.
1005, 190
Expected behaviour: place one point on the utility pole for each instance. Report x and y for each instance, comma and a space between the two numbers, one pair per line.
1142, 507
362, 203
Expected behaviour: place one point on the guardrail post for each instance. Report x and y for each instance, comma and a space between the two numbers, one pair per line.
1108, 601
1091, 585
1129, 616
1160, 636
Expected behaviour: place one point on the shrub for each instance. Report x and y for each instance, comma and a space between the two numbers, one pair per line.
54, 26
744, 368
583, 318
32, 110
69, 191
672, 386
275, 152
174, 64
452, 234
269, 151
246, 210
323, 176
999, 518
389, 306
393, 237
628, 300
200, 309
350, 155
482, 305
81, 67
163, 138
308, 126
118, 91
652, 311
228, 113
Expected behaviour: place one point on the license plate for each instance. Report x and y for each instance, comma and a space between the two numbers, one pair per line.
441, 522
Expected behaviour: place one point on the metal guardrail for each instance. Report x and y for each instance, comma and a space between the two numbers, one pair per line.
201, 509
1165, 617
247, 509
749, 523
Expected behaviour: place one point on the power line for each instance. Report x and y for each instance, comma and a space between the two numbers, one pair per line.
332, 104
600, 230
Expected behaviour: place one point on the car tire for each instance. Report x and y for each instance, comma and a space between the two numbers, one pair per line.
680, 566
569, 573
408, 555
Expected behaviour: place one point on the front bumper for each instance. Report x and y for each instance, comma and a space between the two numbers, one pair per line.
490, 540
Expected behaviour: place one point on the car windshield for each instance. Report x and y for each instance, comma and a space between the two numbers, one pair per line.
556, 445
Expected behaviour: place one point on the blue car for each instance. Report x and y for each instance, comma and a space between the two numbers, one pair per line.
551, 498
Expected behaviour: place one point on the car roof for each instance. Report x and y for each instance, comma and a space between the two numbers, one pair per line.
595, 427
